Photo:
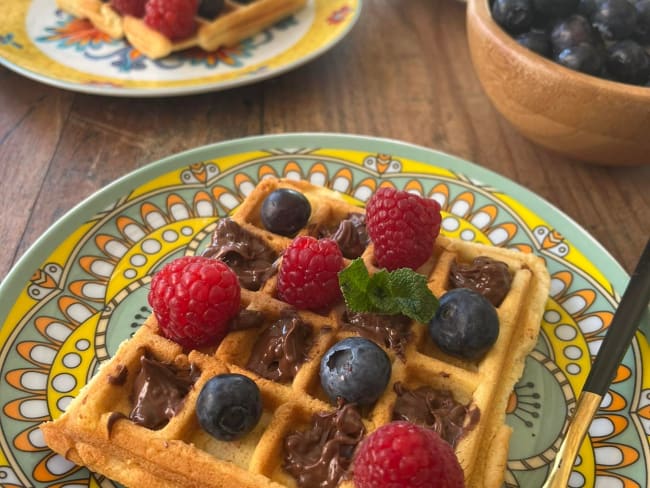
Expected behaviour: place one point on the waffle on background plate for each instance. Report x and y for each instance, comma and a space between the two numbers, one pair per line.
96, 431
236, 22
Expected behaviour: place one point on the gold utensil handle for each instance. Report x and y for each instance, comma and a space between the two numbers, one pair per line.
558, 477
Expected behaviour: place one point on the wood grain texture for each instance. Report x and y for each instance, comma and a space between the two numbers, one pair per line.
404, 72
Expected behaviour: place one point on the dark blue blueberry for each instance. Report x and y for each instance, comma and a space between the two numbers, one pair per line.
356, 370
285, 211
642, 30
515, 16
628, 62
572, 31
229, 406
210, 9
555, 8
583, 57
615, 19
466, 324
537, 41
587, 8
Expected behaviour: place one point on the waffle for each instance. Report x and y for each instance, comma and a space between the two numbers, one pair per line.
95, 430
236, 22
100, 14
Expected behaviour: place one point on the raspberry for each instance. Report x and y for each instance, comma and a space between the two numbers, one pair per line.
403, 228
172, 18
308, 276
405, 454
135, 8
194, 298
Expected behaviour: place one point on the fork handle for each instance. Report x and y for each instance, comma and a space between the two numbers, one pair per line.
588, 404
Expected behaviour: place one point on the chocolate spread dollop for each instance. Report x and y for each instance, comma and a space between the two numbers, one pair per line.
351, 235
391, 331
159, 391
281, 348
487, 276
435, 409
246, 254
322, 455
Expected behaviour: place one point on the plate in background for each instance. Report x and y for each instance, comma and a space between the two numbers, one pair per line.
45, 44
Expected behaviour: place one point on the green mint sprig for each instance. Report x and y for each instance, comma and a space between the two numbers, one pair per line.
402, 291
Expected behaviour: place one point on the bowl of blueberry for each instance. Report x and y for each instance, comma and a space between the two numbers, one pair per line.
570, 75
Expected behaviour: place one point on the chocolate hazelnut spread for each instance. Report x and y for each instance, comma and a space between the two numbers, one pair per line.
351, 235
159, 391
391, 331
320, 456
435, 409
487, 276
246, 254
281, 348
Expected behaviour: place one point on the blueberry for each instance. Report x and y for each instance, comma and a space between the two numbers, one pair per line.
583, 57
615, 19
210, 9
537, 41
356, 370
466, 324
555, 8
642, 30
285, 211
515, 16
587, 8
229, 406
570, 32
628, 62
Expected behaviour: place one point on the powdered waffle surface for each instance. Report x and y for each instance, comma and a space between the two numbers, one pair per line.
236, 22
91, 433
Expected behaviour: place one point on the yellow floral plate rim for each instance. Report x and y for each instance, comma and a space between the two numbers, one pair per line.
331, 22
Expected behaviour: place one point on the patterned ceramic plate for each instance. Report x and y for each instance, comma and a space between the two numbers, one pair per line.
81, 289
43, 43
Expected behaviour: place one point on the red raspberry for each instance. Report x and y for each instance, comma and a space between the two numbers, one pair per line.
135, 8
172, 18
403, 228
194, 298
405, 454
308, 276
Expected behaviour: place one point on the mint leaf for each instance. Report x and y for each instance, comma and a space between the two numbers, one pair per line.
354, 281
380, 293
412, 295
402, 291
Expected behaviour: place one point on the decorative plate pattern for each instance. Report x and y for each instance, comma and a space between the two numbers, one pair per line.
80, 291
48, 45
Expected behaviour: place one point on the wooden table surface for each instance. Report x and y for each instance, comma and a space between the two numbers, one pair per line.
404, 72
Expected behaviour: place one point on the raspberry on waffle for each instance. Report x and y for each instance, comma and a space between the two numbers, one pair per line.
159, 33
302, 438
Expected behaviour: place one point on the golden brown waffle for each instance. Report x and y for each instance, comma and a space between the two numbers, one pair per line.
236, 22
100, 14
181, 454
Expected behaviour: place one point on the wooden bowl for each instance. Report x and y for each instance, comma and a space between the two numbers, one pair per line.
580, 116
